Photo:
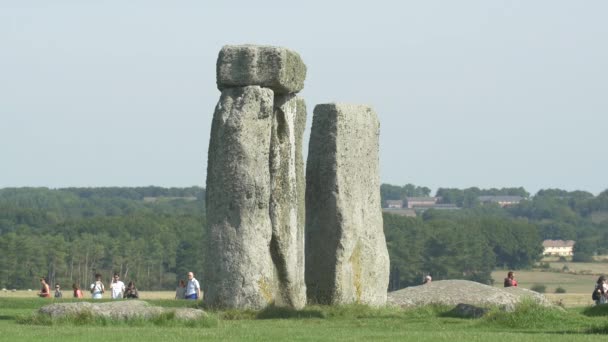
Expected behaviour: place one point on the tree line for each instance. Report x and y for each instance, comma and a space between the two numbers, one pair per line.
69, 234
469, 243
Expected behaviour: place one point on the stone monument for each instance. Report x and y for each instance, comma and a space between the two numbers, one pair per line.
255, 181
346, 255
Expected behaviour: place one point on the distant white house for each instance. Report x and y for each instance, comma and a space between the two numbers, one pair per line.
394, 204
558, 247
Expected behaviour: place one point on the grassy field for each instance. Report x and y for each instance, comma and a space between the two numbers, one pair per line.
358, 323
578, 286
572, 283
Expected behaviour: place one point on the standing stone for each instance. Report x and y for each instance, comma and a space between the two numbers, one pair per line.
239, 268
346, 255
277, 68
287, 199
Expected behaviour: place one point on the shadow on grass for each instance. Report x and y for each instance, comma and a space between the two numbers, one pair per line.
596, 310
273, 312
6, 318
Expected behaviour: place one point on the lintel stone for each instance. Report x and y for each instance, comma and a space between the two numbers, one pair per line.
277, 68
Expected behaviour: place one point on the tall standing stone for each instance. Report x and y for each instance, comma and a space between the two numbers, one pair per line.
346, 255
287, 199
239, 269
255, 181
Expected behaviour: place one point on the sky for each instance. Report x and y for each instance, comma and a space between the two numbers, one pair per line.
469, 93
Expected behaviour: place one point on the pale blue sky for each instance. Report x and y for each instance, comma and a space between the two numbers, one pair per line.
469, 93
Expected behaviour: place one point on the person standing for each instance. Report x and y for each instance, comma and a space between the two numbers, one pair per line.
601, 289
131, 291
97, 288
76, 290
180, 291
45, 291
193, 288
58, 293
510, 279
117, 287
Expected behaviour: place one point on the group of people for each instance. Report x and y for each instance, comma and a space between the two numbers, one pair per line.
192, 288
189, 290
117, 288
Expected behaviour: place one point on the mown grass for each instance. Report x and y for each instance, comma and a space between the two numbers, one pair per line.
529, 322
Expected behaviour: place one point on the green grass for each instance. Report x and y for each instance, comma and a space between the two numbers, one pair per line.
529, 322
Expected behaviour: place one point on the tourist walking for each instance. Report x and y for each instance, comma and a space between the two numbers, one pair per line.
193, 288
117, 287
45, 291
97, 288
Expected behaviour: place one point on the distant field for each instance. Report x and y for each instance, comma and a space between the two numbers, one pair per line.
594, 268
578, 287
572, 283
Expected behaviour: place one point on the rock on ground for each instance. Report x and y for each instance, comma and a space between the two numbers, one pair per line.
239, 269
346, 255
279, 69
454, 292
126, 309
287, 199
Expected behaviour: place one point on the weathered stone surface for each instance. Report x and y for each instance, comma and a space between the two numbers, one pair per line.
239, 269
454, 292
287, 199
127, 309
279, 69
346, 255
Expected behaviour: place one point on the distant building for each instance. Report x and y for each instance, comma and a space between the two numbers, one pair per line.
503, 201
394, 203
421, 201
558, 247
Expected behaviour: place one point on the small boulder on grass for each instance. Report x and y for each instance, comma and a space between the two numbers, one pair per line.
124, 309
454, 292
